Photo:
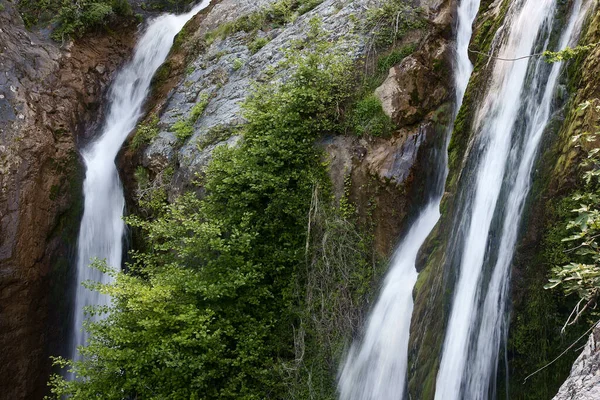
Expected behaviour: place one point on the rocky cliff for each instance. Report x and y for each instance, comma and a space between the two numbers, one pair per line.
218, 72
50, 98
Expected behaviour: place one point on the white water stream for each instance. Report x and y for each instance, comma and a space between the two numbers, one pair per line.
102, 227
375, 368
509, 123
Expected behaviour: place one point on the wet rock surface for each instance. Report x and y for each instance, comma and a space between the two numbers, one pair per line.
48, 96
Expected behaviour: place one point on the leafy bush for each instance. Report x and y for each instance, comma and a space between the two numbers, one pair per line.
214, 135
183, 130
390, 22
275, 15
394, 57
257, 44
145, 133
207, 311
581, 277
237, 64
368, 118
73, 17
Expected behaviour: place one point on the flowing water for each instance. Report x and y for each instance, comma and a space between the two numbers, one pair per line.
509, 124
102, 226
375, 368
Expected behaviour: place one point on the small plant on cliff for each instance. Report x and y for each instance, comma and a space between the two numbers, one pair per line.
368, 118
391, 21
73, 18
581, 277
145, 133
275, 15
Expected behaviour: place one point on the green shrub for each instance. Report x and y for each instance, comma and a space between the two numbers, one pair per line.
214, 135
199, 108
394, 57
257, 44
74, 18
276, 15
368, 118
145, 133
391, 21
237, 64
183, 130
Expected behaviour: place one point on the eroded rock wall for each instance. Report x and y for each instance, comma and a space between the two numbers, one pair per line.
48, 97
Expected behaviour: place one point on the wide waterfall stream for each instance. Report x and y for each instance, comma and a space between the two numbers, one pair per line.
102, 227
509, 125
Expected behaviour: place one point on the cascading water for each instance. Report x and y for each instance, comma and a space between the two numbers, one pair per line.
510, 123
375, 368
102, 226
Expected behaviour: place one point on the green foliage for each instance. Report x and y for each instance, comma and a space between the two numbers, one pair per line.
368, 118
237, 64
391, 21
214, 135
393, 58
257, 44
567, 54
145, 133
74, 18
184, 128
207, 312
199, 108
275, 15
581, 276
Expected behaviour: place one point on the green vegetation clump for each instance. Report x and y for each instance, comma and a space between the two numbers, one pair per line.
237, 64
581, 276
394, 57
184, 128
145, 133
214, 135
368, 118
275, 15
213, 308
74, 18
391, 21
257, 44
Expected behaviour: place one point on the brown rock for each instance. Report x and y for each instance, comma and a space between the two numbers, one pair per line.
48, 98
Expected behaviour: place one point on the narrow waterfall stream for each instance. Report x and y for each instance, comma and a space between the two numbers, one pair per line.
102, 226
509, 124
375, 368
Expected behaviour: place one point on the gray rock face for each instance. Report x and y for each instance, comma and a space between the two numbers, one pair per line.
584, 381
226, 71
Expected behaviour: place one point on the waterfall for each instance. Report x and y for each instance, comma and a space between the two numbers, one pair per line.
375, 368
102, 226
509, 124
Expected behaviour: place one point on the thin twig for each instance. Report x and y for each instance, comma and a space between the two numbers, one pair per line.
506, 59
563, 353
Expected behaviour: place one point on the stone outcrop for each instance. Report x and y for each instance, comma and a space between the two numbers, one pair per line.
584, 381
49, 96
378, 172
